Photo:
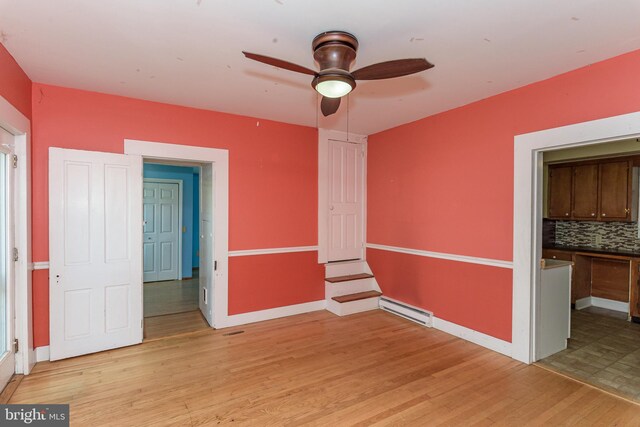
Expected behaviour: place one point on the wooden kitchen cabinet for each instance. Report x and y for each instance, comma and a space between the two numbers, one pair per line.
560, 191
634, 297
596, 190
585, 192
557, 254
610, 279
615, 191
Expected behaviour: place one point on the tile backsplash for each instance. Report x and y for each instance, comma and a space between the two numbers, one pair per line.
613, 235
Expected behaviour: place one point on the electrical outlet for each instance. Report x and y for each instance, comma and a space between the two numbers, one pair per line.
597, 239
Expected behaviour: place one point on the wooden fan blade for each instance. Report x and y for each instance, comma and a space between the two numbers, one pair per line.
328, 106
390, 69
279, 63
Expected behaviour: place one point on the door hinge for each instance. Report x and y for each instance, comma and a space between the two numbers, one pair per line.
15, 161
16, 345
215, 265
15, 254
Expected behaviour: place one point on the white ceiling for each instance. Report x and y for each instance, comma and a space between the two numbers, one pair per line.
188, 52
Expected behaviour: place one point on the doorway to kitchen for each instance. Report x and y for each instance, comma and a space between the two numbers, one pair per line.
590, 211
594, 229
171, 249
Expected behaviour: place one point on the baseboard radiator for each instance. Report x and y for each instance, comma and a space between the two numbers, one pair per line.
423, 317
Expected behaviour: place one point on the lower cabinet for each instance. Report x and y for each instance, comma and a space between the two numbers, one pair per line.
611, 277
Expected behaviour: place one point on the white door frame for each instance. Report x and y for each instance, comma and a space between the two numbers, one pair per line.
219, 159
179, 182
324, 135
527, 213
18, 125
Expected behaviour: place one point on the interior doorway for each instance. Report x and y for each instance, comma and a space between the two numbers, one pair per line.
171, 247
590, 211
529, 174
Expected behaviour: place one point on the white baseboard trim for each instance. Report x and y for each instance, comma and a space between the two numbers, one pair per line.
41, 265
273, 313
270, 251
42, 353
583, 303
475, 337
440, 255
602, 303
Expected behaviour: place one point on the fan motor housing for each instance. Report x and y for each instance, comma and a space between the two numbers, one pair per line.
334, 50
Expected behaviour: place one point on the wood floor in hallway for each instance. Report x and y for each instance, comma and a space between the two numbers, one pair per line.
316, 369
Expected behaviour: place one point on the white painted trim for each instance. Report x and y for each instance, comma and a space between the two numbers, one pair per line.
440, 255
273, 313
41, 265
484, 340
219, 159
324, 135
270, 251
609, 304
583, 303
20, 126
42, 353
527, 211
180, 202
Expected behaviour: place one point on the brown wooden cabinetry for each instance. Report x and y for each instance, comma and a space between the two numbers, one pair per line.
634, 303
557, 254
560, 180
585, 192
594, 190
615, 191
610, 279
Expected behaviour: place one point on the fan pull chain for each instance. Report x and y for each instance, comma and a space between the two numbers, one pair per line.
317, 109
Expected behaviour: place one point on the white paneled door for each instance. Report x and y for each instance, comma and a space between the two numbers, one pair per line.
95, 284
346, 165
161, 240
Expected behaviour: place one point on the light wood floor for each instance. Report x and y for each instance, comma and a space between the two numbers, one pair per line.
318, 369
170, 297
174, 324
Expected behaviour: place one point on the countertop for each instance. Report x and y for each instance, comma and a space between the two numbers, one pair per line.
595, 250
547, 264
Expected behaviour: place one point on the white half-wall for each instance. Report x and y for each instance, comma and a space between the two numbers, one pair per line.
527, 213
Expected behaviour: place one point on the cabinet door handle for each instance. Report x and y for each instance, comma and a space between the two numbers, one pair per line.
626, 210
566, 214
604, 214
593, 214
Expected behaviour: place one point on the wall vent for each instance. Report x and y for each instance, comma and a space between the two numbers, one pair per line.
418, 315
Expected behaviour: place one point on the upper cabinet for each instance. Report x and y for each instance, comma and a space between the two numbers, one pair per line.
615, 191
560, 180
585, 192
595, 191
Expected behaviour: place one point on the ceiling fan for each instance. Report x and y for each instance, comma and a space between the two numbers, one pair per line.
335, 52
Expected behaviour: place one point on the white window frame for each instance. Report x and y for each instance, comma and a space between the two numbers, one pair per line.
19, 126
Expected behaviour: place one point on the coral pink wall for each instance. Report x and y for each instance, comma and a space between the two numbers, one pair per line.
273, 183
445, 184
15, 85
293, 279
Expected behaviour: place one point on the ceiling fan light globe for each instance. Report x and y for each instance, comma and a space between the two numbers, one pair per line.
334, 86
